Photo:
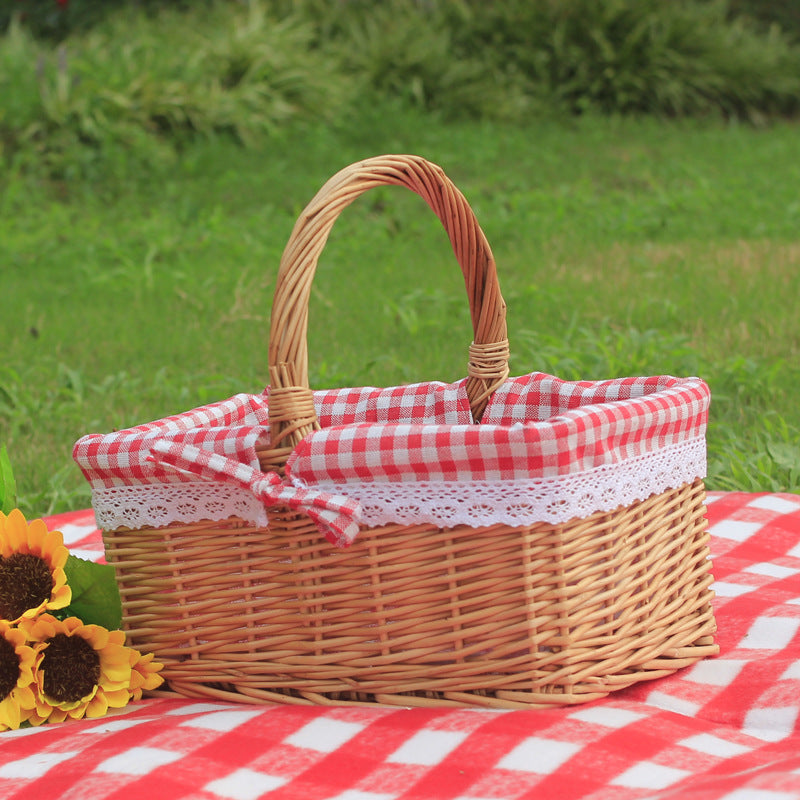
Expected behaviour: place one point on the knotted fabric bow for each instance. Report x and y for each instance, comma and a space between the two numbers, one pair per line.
335, 516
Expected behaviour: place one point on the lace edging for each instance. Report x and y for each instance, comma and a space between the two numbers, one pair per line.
445, 504
526, 502
158, 505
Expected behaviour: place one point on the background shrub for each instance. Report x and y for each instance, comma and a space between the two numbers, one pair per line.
139, 81
54, 20
622, 56
410, 52
783, 13
91, 78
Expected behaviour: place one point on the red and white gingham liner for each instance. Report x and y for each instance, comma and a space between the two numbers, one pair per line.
536, 428
589, 430
335, 516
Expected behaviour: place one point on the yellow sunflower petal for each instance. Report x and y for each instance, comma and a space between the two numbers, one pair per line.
96, 635
16, 705
117, 698
36, 536
32, 613
71, 624
144, 674
26, 697
151, 670
59, 578
69, 707
8, 543
116, 655
27, 657
45, 627
53, 546
137, 681
10, 716
41, 712
115, 675
10, 634
61, 595
16, 529
98, 705
39, 629
57, 715
152, 681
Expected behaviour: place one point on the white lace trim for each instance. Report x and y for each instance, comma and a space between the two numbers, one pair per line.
526, 502
158, 505
445, 504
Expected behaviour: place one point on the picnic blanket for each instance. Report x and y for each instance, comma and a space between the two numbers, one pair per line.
724, 729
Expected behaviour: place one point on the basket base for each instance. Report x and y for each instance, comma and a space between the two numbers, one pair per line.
508, 700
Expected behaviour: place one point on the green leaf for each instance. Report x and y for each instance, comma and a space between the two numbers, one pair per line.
95, 596
8, 486
785, 455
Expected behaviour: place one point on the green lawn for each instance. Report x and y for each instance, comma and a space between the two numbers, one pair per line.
623, 247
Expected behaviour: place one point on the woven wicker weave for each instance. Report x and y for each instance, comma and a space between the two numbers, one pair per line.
414, 615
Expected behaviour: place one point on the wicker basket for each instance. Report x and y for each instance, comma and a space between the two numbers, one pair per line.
414, 614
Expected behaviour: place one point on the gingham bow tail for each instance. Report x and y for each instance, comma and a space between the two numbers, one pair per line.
335, 516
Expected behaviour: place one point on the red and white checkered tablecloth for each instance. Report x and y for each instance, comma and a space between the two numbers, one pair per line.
726, 729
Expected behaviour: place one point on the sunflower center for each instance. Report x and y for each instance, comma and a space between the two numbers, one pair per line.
71, 668
9, 668
25, 582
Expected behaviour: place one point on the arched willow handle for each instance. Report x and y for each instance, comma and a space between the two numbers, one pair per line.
291, 405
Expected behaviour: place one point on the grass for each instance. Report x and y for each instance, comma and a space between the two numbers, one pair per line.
625, 246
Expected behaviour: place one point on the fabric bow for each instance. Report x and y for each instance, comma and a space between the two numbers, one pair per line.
335, 516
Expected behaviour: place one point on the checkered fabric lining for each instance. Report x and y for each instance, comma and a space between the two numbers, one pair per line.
727, 728
534, 426
580, 436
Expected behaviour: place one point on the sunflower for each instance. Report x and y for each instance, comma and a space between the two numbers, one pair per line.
80, 670
17, 699
32, 562
144, 674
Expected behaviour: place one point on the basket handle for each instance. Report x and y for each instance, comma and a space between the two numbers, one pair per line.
291, 407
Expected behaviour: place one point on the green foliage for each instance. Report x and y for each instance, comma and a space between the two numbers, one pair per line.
8, 487
767, 459
524, 57
138, 80
45, 18
409, 60
144, 84
54, 20
95, 595
622, 56
409, 52
784, 14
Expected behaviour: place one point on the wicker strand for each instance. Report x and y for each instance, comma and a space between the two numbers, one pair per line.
488, 363
289, 322
292, 414
414, 615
